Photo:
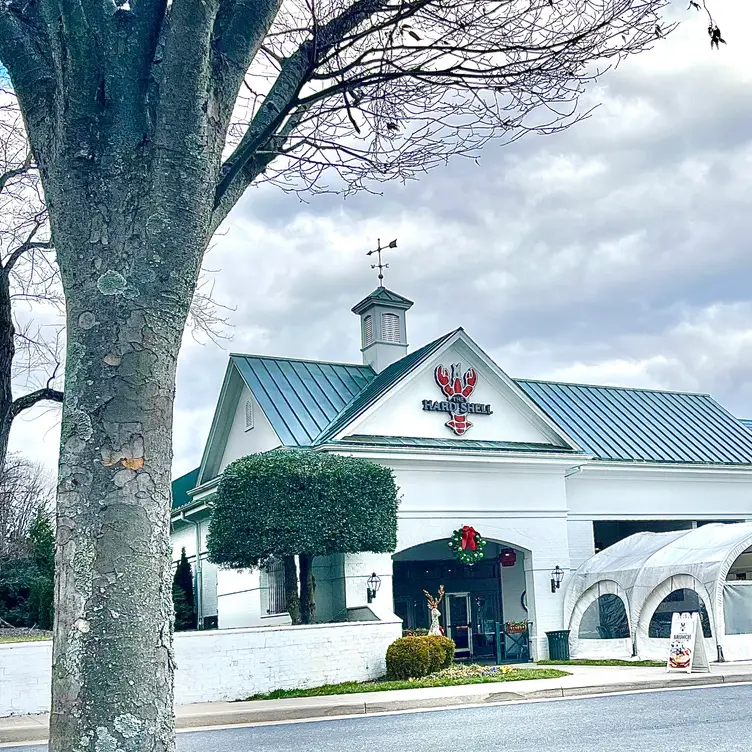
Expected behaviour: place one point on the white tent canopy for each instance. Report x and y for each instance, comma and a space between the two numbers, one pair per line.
635, 581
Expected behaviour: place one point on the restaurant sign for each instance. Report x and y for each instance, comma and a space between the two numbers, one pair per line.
686, 650
457, 388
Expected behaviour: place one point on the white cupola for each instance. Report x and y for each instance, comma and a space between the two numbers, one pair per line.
383, 330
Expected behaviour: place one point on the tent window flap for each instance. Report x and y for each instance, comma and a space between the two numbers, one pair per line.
605, 619
737, 607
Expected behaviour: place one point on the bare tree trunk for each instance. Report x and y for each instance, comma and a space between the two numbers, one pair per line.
292, 599
7, 352
128, 295
307, 590
112, 663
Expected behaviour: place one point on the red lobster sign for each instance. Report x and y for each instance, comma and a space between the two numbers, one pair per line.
457, 387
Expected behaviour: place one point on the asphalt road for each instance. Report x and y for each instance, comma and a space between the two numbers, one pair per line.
698, 720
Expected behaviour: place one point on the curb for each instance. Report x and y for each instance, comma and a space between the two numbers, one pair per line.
34, 728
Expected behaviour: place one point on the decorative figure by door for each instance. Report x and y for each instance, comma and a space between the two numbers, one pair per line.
433, 605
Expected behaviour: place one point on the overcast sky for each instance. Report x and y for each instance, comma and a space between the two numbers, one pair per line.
617, 252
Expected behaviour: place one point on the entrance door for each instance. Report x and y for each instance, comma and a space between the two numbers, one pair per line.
486, 617
458, 624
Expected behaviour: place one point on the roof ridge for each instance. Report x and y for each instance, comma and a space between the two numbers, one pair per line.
612, 386
301, 360
426, 350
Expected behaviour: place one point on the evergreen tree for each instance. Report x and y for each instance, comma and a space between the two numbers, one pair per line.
182, 595
42, 536
27, 579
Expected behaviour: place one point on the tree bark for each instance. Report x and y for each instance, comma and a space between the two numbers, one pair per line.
112, 661
292, 599
7, 352
307, 590
128, 292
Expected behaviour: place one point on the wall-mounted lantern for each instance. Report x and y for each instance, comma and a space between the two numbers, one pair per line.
557, 575
374, 583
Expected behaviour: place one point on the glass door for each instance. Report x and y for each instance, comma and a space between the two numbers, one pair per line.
458, 624
486, 617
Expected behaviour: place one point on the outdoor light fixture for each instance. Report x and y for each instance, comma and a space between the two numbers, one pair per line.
374, 583
557, 575
508, 557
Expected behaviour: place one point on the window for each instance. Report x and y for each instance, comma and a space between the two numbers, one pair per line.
390, 327
275, 583
605, 619
368, 330
248, 415
678, 601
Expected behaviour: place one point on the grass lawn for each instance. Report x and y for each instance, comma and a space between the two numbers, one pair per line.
605, 662
448, 678
24, 638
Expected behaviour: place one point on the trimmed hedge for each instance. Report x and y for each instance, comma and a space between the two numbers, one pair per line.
445, 646
413, 657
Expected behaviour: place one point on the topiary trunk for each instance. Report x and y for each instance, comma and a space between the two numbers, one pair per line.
292, 599
307, 590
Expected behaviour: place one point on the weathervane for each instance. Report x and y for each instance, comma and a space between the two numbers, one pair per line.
380, 266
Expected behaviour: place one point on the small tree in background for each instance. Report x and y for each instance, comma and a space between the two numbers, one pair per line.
42, 536
27, 577
305, 504
182, 595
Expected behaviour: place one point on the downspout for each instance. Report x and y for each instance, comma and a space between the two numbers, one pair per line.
199, 578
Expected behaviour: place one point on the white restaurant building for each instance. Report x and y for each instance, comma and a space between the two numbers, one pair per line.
548, 473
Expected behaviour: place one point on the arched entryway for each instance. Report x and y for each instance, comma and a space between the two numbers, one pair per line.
485, 608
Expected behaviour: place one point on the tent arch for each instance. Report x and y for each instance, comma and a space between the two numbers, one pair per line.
608, 648
653, 647
648, 566
725, 568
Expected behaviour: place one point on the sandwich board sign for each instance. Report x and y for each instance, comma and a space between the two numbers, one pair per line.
686, 650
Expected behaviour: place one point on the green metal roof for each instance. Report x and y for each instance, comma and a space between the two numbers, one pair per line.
451, 444
181, 486
380, 384
301, 397
644, 425
309, 402
382, 296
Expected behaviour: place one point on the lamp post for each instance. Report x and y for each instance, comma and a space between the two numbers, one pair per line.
374, 583
557, 575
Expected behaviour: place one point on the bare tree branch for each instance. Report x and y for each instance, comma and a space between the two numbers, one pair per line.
29, 400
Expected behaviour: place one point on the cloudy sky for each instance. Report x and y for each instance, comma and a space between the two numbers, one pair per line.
617, 252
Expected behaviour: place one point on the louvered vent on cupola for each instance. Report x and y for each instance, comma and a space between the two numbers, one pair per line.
390, 326
367, 330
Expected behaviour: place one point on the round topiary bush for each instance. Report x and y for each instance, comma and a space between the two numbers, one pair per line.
413, 657
442, 652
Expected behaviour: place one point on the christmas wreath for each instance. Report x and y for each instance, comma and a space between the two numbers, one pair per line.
467, 544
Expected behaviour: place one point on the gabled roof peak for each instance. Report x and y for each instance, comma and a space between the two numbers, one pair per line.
383, 296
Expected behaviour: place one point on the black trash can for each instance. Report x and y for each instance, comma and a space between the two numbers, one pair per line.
558, 645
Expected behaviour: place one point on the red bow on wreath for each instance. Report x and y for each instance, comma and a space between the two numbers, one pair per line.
468, 538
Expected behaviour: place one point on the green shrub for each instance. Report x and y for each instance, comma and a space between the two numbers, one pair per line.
413, 657
407, 658
444, 648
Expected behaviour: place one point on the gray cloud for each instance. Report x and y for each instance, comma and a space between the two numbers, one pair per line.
616, 251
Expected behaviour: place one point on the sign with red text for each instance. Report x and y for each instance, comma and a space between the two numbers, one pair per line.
457, 388
686, 651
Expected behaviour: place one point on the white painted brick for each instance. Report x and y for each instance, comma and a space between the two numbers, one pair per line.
225, 664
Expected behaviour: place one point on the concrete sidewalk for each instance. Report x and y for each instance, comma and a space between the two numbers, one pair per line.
584, 680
